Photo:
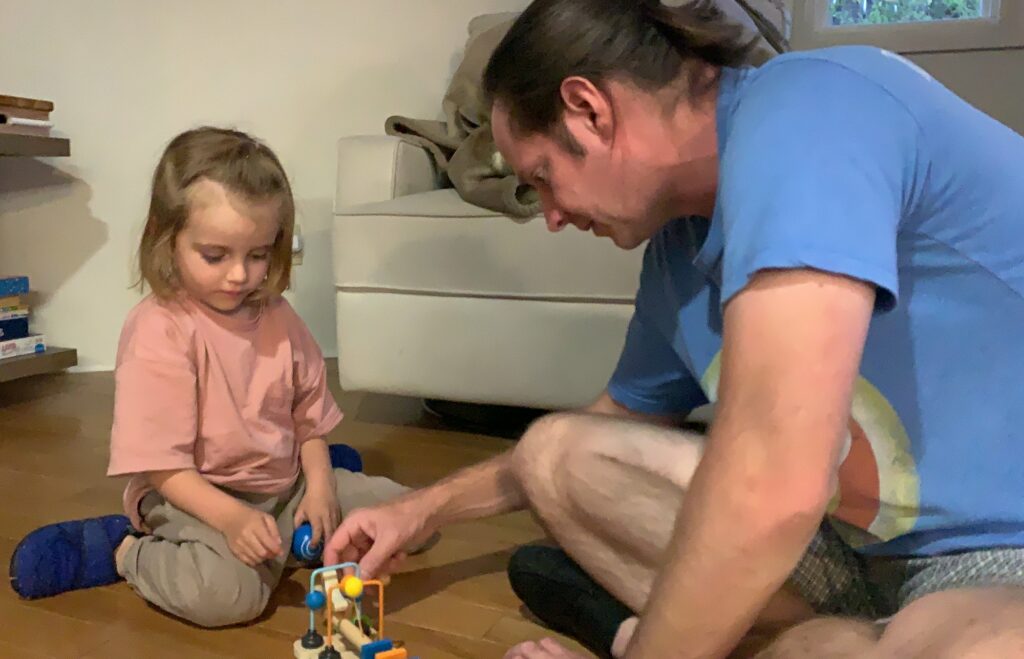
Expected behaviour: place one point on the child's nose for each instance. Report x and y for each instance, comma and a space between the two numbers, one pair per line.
238, 274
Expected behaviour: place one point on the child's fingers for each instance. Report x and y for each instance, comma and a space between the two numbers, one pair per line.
318, 526
244, 553
262, 544
273, 536
300, 516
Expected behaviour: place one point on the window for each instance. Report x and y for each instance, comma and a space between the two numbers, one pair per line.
887, 12
910, 25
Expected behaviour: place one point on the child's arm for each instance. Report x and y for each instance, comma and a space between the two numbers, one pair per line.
320, 505
252, 535
316, 464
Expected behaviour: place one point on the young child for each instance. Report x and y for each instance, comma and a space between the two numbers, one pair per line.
221, 401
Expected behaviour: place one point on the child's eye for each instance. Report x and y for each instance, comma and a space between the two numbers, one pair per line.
212, 260
261, 256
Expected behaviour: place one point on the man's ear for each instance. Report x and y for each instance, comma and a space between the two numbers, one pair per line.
588, 110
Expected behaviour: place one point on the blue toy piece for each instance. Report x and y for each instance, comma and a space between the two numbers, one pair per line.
344, 456
302, 544
370, 650
315, 600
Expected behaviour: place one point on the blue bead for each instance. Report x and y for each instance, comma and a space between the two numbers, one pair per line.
302, 545
315, 600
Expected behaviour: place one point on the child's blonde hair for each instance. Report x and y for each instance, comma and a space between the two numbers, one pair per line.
245, 167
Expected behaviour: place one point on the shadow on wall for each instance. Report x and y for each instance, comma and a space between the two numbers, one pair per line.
47, 230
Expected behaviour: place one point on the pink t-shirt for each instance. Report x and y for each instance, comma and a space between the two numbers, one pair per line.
231, 397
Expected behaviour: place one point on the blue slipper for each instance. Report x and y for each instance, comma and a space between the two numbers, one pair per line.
68, 556
344, 456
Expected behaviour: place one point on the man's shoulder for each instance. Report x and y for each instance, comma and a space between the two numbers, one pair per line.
840, 70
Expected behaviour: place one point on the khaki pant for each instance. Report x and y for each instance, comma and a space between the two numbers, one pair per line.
186, 568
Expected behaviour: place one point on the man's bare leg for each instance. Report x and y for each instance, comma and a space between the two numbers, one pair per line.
608, 491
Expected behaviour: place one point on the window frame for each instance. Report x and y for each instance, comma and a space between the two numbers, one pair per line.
1002, 26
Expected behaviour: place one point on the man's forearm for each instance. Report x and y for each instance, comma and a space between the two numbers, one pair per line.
187, 490
740, 532
483, 490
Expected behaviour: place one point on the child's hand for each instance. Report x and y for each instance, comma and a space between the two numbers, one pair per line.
253, 537
319, 507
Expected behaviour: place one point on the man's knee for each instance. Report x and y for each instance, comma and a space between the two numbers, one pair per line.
542, 451
230, 597
966, 624
837, 638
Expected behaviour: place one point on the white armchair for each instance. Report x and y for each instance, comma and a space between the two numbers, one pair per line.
437, 298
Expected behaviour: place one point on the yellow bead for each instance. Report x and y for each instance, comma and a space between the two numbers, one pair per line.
353, 587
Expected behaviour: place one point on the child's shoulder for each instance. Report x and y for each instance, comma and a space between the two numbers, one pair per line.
280, 309
158, 318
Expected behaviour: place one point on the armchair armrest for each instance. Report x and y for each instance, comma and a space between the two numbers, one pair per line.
373, 168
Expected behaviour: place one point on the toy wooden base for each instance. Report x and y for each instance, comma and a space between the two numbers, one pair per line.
344, 646
314, 653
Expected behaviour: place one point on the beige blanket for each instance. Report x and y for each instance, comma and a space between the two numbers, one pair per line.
461, 144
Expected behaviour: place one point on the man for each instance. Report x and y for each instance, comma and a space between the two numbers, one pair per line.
845, 281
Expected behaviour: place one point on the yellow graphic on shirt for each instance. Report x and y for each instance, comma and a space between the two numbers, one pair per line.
878, 493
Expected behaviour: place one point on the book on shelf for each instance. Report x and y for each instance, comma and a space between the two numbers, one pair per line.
25, 116
13, 285
30, 345
23, 113
14, 312
26, 103
14, 328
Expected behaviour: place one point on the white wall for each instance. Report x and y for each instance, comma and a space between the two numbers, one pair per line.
127, 75
989, 79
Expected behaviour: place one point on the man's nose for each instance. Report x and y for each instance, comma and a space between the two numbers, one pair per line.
555, 219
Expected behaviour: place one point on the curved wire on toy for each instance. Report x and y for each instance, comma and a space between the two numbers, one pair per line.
312, 583
358, 609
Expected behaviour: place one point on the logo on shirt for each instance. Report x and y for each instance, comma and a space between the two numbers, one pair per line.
878, 493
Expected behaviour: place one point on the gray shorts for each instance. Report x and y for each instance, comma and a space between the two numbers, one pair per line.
836, 580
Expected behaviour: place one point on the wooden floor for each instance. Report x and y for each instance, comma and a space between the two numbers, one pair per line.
453, 601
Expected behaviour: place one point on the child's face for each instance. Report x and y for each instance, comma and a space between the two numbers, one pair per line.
224, 250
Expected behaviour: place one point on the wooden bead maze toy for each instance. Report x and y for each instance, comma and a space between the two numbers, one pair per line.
349, 633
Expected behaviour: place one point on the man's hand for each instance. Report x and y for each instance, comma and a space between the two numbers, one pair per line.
319, 506
252, 536
545, 649
376, 537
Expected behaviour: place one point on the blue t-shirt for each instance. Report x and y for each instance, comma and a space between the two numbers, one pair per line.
852, 160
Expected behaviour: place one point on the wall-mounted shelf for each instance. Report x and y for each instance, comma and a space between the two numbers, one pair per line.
35, 146
54, 360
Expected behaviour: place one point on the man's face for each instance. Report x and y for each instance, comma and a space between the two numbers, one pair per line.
601, 191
